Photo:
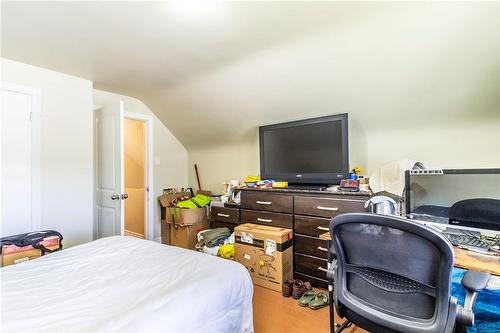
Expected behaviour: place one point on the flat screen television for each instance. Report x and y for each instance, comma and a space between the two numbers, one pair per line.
312, 151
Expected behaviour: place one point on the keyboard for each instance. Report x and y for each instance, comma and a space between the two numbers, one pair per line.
469, 242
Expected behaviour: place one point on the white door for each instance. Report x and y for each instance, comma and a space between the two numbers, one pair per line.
109, 170
17, 190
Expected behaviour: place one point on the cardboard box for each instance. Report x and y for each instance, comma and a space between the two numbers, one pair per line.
185, 235
166, 201
181, 216
12, 254
267, 253
187, 216
165, 232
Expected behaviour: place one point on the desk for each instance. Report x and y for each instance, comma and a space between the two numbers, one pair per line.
465, 259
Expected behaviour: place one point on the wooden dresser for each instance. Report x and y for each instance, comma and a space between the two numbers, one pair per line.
225, 217
308, 214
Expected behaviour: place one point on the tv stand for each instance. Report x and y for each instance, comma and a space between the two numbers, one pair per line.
308, 213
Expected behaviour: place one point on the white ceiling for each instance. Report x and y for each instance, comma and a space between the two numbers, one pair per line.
218, 71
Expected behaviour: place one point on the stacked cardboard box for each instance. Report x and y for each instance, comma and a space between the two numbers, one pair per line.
179, 226
267, 253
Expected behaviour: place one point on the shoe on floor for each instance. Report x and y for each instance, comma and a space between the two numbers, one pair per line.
286, 290
299, 288
307, 297
318, 302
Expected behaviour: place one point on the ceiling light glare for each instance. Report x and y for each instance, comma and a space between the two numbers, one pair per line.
196, 10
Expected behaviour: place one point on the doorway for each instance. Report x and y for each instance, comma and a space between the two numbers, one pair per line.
20, 158
123, 152
135, 167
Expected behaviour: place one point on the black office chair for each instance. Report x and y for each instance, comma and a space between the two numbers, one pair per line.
394, 275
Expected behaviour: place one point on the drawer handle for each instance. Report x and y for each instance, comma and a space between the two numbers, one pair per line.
323, 269
264, 220
264, 202
323, 228
222, 215
333, 209
322, 249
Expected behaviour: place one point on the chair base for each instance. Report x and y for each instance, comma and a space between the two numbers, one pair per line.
340, 327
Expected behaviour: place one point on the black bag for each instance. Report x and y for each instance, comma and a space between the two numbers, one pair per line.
480, 213
32, 238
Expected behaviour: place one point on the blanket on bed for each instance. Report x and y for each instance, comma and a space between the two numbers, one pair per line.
128, 285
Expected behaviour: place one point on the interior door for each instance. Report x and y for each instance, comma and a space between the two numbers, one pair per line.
16, 158
109, 170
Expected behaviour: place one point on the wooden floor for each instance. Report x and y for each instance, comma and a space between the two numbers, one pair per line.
274, 313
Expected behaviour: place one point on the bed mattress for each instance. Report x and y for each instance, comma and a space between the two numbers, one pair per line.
128, 285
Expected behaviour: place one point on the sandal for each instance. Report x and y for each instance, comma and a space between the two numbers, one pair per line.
299, 288
320, 301
286, 290
307, 297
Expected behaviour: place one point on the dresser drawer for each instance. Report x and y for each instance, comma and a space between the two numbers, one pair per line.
311, 246
224, 214
311, 265
327, 207
312, 226
267, 218
271, 202
322, 283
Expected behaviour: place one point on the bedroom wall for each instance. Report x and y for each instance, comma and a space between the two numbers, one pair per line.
66, 157
172, 170
419, 83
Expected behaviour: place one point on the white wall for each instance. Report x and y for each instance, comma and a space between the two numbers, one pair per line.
66, 157
418, 81
173, 168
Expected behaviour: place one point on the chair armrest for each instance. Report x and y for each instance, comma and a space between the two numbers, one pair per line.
330, 275
474, 282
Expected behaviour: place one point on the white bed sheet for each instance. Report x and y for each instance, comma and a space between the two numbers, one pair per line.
128, 285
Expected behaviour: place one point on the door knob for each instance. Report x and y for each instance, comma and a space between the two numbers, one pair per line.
124, 196
115, 197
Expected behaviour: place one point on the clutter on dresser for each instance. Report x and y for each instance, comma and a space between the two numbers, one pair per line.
231, 192
28, 246
251, 180
349, 185
255, 182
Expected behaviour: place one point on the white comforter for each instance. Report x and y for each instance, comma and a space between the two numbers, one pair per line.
128, 285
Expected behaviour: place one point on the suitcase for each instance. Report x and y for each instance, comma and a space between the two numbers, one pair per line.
24, 247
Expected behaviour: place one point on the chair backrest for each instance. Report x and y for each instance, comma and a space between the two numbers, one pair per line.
392, 272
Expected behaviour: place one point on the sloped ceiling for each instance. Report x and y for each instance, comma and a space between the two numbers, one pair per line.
213, 73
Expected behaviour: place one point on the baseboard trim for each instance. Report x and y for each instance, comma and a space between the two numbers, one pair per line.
134, 234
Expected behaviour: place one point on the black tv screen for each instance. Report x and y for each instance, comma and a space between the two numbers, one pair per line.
312, 151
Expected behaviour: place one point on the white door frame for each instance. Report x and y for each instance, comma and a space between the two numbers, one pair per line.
35, 148
149, 205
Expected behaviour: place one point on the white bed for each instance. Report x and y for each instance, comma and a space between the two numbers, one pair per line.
128, 285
